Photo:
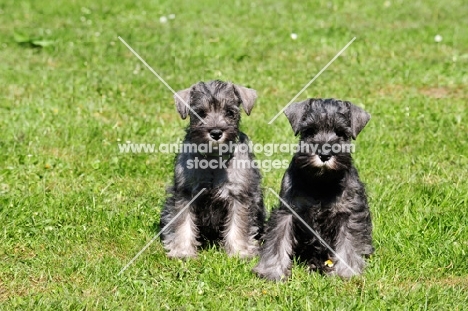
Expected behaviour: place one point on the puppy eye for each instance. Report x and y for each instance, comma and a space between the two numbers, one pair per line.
230, 113
309, 132
201, 113
341, 133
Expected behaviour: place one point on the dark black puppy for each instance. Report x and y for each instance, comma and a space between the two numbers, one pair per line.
230, 209
322, 186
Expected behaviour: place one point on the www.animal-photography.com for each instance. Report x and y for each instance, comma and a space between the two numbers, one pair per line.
244, 155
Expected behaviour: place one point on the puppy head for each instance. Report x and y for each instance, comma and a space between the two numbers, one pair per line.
214, 109
327, 127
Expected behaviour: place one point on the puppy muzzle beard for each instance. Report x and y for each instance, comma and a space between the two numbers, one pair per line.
215, 141
214, 135
229, 134
325, 161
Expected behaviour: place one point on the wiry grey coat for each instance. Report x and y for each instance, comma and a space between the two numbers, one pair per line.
325, 191
230, 210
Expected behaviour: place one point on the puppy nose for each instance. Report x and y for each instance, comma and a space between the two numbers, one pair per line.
325, 157
216, 134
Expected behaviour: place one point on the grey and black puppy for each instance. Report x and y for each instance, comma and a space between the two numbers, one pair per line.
230, 210
323, 187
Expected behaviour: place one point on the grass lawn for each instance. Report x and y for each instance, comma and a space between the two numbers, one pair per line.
74, 211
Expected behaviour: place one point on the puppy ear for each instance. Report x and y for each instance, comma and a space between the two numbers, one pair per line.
294, 113
182, 101
359, 119
247, 97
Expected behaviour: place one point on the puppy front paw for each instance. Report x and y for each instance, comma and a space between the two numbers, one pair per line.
182, 253
271, 273
180, 248
247, 250
347, 270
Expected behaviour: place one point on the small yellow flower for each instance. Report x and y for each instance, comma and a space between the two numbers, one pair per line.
329, 263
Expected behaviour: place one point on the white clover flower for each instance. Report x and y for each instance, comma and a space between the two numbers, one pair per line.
85, 10
163, 19
438, 38
294, 36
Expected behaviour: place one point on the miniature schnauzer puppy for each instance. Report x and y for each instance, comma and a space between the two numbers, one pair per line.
230, 210
322, 186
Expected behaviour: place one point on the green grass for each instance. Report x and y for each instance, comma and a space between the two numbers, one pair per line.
74, 211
